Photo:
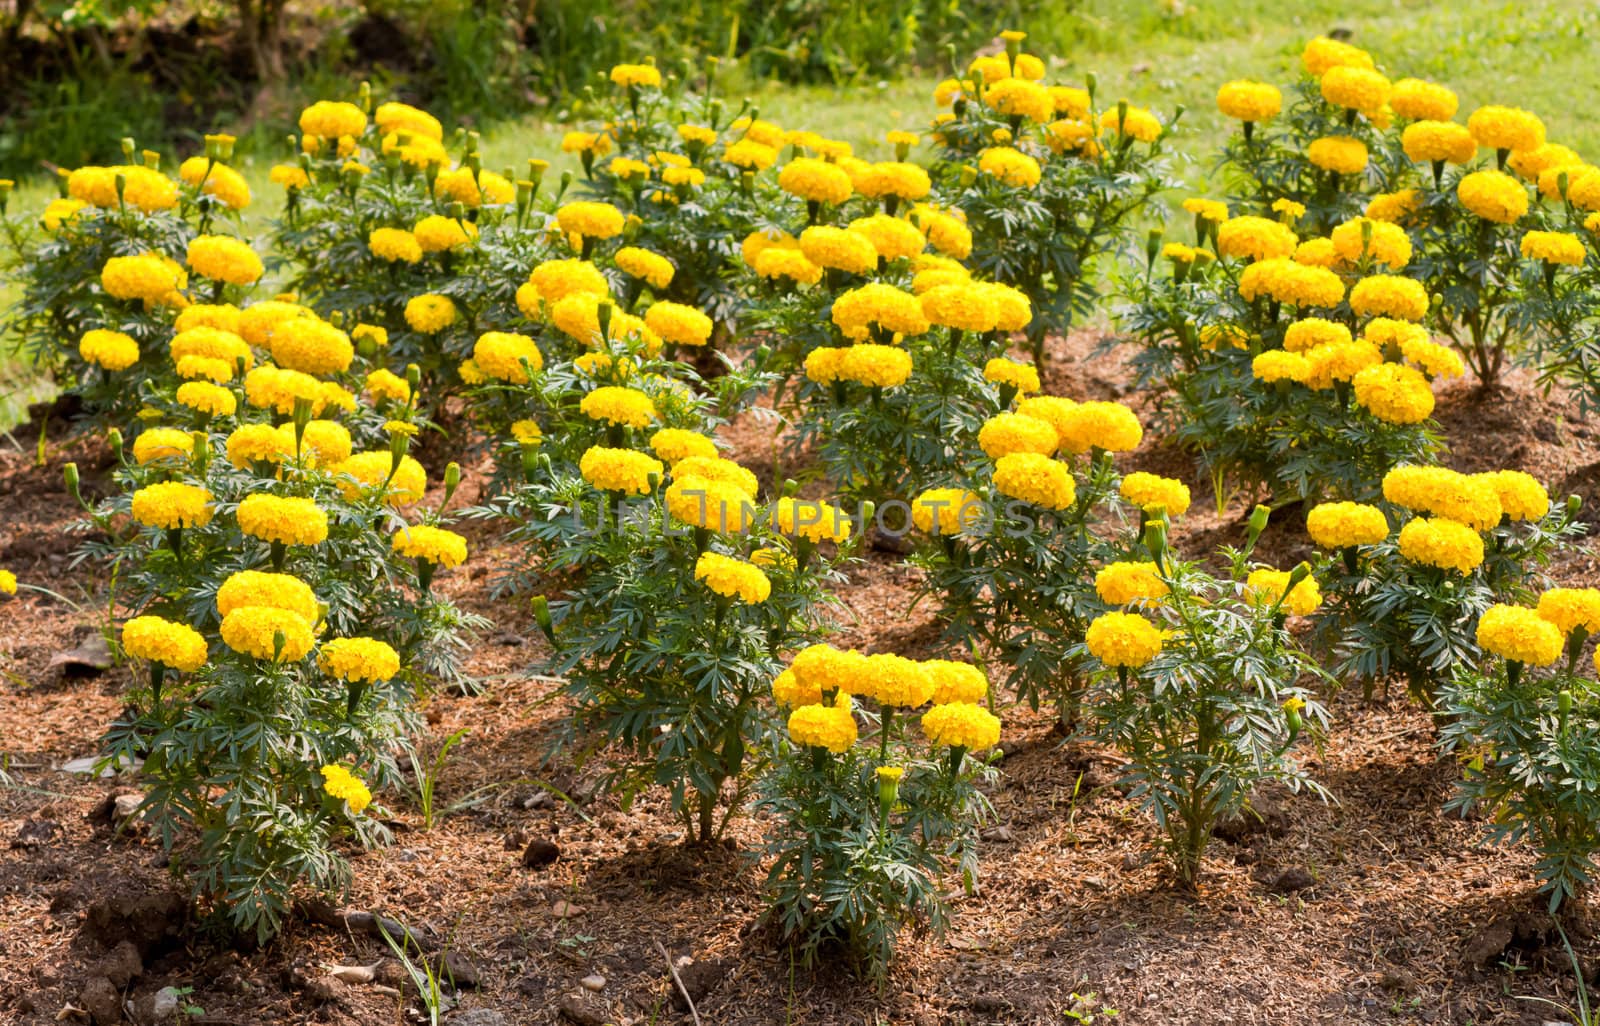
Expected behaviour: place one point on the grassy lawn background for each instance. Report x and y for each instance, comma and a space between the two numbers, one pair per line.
1157, 53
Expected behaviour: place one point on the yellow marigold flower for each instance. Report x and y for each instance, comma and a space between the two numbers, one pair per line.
8, 582
1442, 543
1341, 154
430, 314
1016, 97
894, 681
1123, 639
192, 368
732, 578
223, 259
674, 444
1290, 283
395, 245
255, 631
430, 544
222, 317
402, 117
653, 268
634, 76
1465, 498
1277, 365
1023, 377
1134, 122
1521, 496
1317, 253
1394, 207
1530, 164
1322, 54
596, 143
60, 211
1255, 238
1380, 241
1154, 494
332, 119
437, 233
1553, 247
1394, 393
268, 590
619, 406
856, 310
162, 443
1074, 136
258, 443
507, 356
816, 181
679, 324
811, 520
750, 155
822, 668
1289, 209
1339, 525
876, 366
285, 520
143, 188
147, 276
892, 237
258, 321
212, 344
338, 783
1339, 362
1310, 332
555, 280
172, 504
955, 681
1035, 478
1119, 584
831, 727
175, 645
274, 388
1211, 210
1244, 100
1355, 87
527, 432
1583, 186
620, 470
1385, 295
370, 471
216, 180
385, 384
839, 248
964, 725
715, 468
1214, 336
1417, 100
472, 190
1011, 166
964, 306
893, 178
1007, 433
1493, 196
327, 442
1572, 609
1506, 128
779, 262
204, 397
947, 511
311, 346
590, 220
1266, 587
1519, 635
1436, 361
109, 349
789, 692
709, 503
1100, 425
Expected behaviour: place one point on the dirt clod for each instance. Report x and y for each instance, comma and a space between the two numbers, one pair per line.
540, 853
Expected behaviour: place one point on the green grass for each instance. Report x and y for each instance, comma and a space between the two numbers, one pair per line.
1157, 53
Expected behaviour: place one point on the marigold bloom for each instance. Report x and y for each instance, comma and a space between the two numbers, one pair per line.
1506, 128
1572, 609
1387, 295
710, 504
1442, 543
285, 520
157, 640
619, 406
255, 631
1265, 586
1123, 640
1121, 583
162, 443
1468, 499
955, 681
1155, 494
109, 349
430, 544
1035, 478
1553, 247
620, 470
270, 590
224, 259
811, 520
964, 725
831, 727
172, 504
1493, 195
1519, 635
1109, 426
338, 783
1341, 154
1244, 100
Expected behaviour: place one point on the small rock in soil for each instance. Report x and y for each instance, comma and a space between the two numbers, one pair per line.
594, 982
391, 973
35, 832
91, 658
153, 921
584, 1009
458, 970
122, 966
86, 766
325, 989
566, 910
540, 853
477, 1017
998, 834
101, 1001
1290, 880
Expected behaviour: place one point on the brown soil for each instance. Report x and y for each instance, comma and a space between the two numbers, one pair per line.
1372, 907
